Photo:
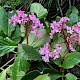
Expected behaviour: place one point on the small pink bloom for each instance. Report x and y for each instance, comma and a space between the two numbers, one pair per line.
78, 24
36, 24
20, 18
46, 54
58, 46
55, 57
64, 19
69, 30
56, 27
45, 58
71, 48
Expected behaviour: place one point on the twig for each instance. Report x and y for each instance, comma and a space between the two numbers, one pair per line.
7, 63
27, 31
60, 8
66, 52
67, 44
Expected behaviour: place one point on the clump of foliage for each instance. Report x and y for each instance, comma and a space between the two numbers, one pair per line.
41, 50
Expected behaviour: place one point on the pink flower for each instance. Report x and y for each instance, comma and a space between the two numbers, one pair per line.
76, 29
56, 27
58, 46
55, 57
64, 19
20, 18
35, 21
78, 24
36, 24
74, 36
37, 33
55, 24
46, 53
71, 48
72, 40
45, 58
69, 30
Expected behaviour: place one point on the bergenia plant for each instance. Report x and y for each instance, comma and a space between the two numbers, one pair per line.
43, 50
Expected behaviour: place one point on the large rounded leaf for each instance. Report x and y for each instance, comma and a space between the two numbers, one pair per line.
6, 46
73, 18
36, 42
43, 77
71, 60
70, 76
53, 74
28, 52
31, 75
40, 11
3, 20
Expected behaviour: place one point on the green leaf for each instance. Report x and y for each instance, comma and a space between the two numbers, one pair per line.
58, 18
64, 48
11, 28
29, 52
3, 20
20, 75
9, 70
16, 72
4, 25
24, 64
41, 65
23, 31
78, 18
43, 77
2, 34
40, 11
15, 68
55, 77
31, 75
73, 18
6, 46
58, 38
70, 76
16, 36
72, 10
50, 71
58, 61
54, 74
20, 65
38, 42
71, 60
3, 75
68, 23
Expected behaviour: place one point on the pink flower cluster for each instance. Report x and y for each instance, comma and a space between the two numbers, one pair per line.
35, 25
58, 26
21, 17
46, 53
74, 37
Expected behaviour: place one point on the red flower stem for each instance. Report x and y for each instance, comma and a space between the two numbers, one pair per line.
65, 37
66, 52
67, 43
27, 32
